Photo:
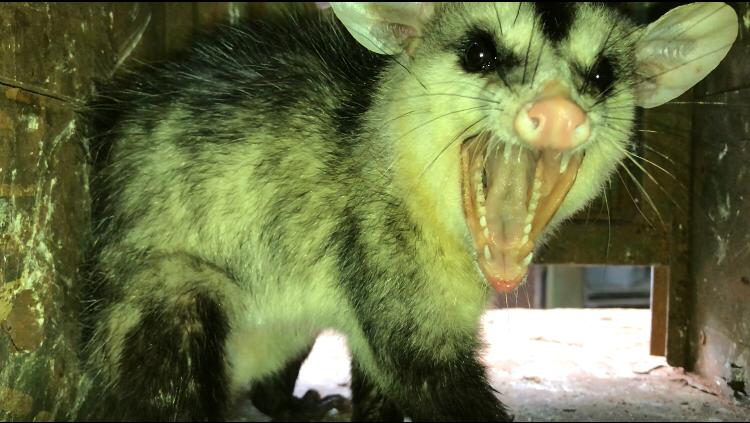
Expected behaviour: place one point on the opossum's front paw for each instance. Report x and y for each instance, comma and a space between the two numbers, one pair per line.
312, 407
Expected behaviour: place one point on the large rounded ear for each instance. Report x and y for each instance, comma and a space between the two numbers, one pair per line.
385, 28
681, 48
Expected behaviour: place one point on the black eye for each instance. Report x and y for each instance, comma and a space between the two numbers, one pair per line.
479, 55
602, 75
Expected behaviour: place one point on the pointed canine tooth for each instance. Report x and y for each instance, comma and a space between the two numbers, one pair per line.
527, 229
527, 260
482, 210
582, 133
564, 162
483, 221
487, 254
525, 239
486, 233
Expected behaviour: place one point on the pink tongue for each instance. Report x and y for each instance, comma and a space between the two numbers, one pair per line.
510, 179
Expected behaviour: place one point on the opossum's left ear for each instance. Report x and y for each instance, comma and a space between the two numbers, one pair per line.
680, 49
385, 28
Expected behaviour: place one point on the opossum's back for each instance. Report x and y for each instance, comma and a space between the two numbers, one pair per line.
267, 99
301, 68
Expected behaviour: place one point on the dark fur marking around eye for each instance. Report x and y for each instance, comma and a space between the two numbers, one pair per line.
556, 18
478, 52
603, 75
599, 78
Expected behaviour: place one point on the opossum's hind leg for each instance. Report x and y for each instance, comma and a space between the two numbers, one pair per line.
274, 395
369, 403
158, 351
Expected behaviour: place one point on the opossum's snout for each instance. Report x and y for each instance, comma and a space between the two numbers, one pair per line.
552, 121
511, 191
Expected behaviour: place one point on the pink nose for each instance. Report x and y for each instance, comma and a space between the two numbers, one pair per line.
554, 123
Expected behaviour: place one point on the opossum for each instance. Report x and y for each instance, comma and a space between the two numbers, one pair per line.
379, 169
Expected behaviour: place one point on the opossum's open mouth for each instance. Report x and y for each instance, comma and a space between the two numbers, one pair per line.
510, 195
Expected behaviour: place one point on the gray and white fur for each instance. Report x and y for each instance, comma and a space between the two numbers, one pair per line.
280, 179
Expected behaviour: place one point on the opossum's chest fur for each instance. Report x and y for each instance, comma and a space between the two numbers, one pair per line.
297, 238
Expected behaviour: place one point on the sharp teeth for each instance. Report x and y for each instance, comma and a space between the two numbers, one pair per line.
582, 133
535, 192
532, 210
527, 260
564, 162
527, 229
506, 153
483, 221
487, 254
486, 233
482, 209
533, 203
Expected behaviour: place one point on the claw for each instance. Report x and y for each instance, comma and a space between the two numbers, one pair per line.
314, 407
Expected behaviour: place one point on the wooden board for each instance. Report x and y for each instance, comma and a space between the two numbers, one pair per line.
720, 326
50, 56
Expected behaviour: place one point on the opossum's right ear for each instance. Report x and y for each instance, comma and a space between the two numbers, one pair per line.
385, 28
